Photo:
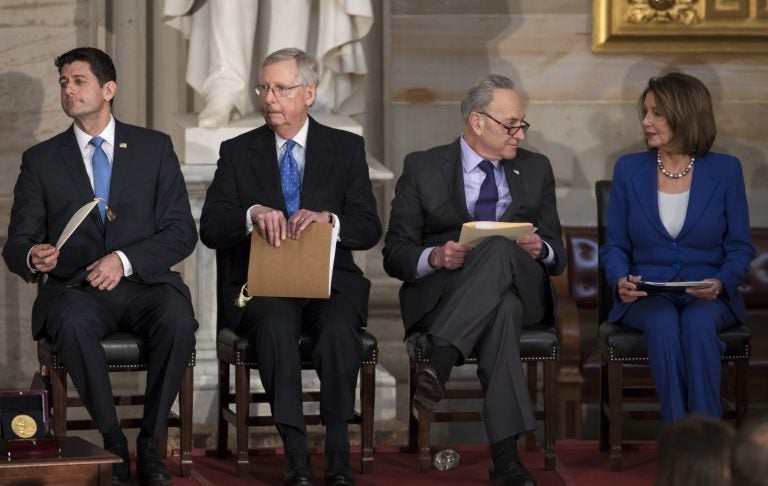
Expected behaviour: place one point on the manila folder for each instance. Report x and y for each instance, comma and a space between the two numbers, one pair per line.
297, 268
472, 233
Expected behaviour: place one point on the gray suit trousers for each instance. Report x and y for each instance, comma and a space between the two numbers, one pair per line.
483, 308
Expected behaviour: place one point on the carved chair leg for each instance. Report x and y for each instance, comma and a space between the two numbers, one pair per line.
615, 410
186, 411
59, 398
413, 423
532, 369
603, 405
551, 413
222, 436
242, 403
367, 402
742, 388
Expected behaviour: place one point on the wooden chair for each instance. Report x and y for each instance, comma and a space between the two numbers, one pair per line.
538, 344
235, 350
622, 348
124, 352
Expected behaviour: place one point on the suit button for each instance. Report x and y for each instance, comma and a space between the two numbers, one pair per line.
676, 267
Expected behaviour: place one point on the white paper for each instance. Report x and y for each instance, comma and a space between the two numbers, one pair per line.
334, 239
75, 221
700, 284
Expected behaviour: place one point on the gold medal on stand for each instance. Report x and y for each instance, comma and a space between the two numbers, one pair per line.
24, 426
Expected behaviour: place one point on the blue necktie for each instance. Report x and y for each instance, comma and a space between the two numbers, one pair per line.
290, 179
102, 174
485, 207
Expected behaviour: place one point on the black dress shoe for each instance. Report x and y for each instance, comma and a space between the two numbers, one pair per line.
121, 472
150, 466
513, 474
429, 390
299, 469
337, 470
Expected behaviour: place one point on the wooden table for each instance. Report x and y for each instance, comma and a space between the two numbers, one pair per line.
80, 463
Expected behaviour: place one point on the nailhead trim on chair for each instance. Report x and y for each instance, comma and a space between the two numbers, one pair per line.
56, 364
644, 359
473, 360
240, 360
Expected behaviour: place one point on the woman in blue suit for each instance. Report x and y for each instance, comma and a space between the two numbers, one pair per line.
678, 212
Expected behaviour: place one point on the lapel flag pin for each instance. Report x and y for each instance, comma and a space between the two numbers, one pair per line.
123, 145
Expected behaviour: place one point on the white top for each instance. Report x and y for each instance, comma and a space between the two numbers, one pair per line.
672, 209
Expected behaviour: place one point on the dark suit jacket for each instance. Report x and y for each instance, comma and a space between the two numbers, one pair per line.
430, 206
335, 179
154, 225
715, 241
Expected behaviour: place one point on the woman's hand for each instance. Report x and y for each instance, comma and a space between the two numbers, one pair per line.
708, 293
627, 288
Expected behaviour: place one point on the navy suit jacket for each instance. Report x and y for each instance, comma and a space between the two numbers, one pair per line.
714, 242
430, 206
154, 225
335, 179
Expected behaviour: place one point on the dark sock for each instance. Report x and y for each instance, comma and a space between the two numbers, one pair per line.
114, 437
443, 359
504, 452
337, 437
143, 434
293, 438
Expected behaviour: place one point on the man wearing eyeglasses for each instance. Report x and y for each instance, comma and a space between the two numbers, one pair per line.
277, 180
455, 299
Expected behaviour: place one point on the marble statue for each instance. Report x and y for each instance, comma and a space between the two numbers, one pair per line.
222, 34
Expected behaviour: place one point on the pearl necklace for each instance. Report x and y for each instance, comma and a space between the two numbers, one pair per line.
670, 174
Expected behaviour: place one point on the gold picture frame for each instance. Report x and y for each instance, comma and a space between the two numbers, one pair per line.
680, 26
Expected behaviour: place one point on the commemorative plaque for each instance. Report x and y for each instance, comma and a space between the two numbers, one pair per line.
24, 425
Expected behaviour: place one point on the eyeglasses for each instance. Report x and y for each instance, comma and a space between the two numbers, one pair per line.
511, 129
278, 90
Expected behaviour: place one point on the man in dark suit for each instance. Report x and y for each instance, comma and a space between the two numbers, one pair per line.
114, 271
462, 299
277, 180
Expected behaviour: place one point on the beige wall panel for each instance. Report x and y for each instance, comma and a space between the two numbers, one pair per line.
549, 56
32, 34
498, 7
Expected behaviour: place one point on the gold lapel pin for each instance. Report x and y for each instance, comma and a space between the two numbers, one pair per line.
111, 215
122, 145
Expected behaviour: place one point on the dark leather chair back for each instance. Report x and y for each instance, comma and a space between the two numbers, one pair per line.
605, 294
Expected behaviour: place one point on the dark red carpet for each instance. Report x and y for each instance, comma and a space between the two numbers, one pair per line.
579, 463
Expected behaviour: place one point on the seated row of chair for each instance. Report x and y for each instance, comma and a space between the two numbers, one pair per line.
539, 344
125, 352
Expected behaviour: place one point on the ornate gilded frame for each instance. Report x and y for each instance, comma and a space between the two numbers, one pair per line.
680, 26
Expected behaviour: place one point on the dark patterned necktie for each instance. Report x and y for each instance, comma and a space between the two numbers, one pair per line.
485, 207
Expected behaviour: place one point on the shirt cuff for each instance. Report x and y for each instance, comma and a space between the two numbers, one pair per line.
32, 269
248, 221
127, 267
423, 268
550, 255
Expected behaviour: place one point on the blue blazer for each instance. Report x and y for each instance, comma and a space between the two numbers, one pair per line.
715, 240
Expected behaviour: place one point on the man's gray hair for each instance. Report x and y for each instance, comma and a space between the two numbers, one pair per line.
480, 94
307, 65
